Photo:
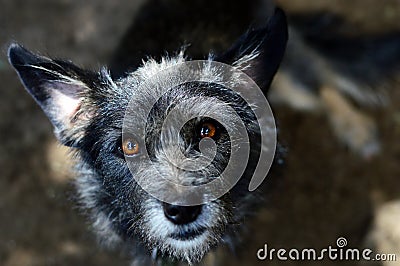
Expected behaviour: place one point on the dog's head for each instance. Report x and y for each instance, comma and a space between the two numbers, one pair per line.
89, 113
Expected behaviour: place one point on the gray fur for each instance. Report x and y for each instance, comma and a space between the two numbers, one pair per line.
89, 110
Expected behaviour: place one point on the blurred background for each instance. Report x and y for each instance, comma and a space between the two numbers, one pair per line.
327, 189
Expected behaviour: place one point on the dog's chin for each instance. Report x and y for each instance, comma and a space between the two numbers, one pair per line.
189, 246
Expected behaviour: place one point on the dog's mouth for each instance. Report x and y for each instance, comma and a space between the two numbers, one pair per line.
183, 241
189, 234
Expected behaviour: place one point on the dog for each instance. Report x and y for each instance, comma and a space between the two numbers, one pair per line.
88, 111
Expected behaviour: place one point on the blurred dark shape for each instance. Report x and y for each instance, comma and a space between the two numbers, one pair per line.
368, 58
163, 26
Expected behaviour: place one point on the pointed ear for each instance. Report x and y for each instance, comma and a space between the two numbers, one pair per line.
259, 51
59, 87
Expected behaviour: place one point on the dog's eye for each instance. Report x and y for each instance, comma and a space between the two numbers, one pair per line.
130, 147
208, 130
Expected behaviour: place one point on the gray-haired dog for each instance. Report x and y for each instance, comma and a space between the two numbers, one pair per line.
87, 110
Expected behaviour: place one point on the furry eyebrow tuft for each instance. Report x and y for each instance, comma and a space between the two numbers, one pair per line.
105, 74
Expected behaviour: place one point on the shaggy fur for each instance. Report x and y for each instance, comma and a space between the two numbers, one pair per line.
87, 110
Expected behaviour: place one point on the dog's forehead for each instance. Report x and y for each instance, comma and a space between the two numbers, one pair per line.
143, 88
154, 78
156, 91
176, 107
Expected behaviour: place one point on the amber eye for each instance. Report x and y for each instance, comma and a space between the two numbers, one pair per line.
130, 147
208, 130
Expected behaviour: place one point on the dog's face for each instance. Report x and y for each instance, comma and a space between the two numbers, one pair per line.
88, 111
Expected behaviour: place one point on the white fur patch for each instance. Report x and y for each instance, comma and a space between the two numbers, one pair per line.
159, 230
244, 62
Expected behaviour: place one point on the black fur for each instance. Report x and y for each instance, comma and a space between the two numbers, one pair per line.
87, 110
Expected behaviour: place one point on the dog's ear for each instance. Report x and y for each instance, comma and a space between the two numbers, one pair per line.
59, 87
259, 51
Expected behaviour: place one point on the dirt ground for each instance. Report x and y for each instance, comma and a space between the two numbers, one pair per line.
326, 191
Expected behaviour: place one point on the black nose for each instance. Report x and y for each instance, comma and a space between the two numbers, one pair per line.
181, 214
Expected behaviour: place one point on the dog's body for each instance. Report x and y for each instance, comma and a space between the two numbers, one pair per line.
87, 110
328, 72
